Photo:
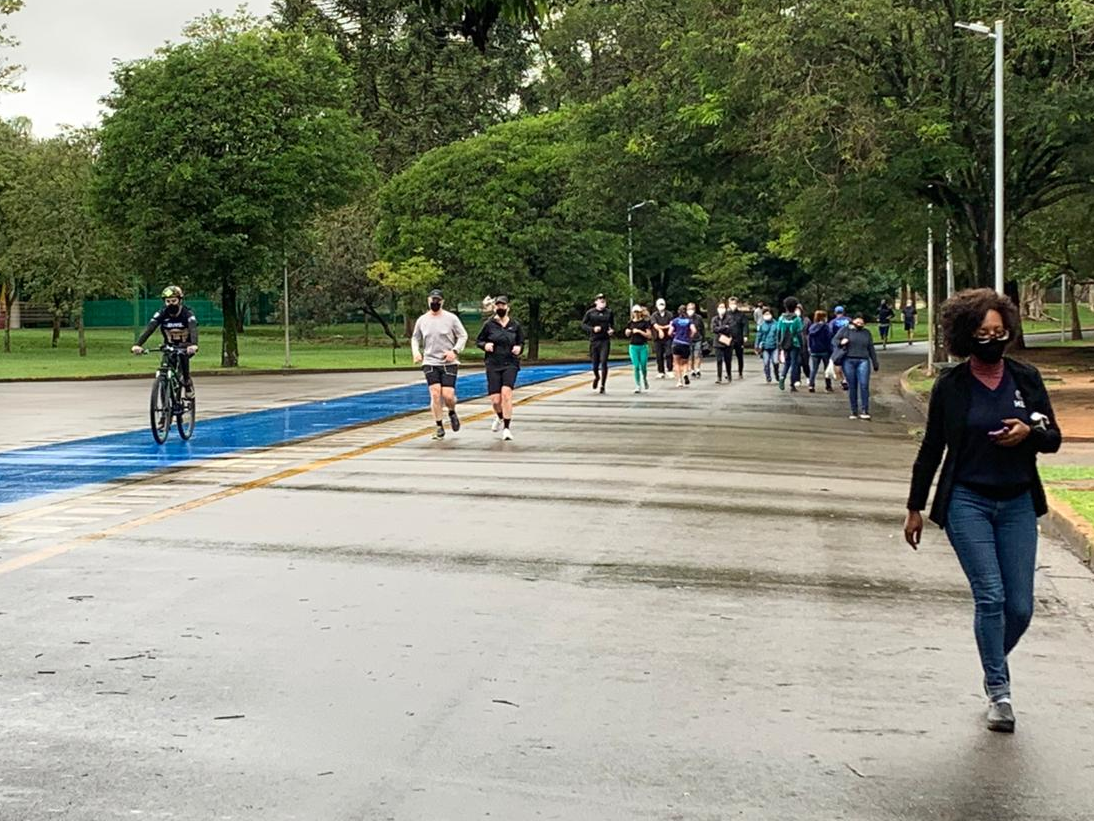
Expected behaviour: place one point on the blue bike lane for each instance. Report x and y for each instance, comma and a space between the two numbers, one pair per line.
36, 471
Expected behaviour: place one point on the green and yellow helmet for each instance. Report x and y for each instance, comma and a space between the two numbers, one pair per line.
171, 291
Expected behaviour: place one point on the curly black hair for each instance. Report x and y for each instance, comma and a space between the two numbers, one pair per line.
964, 312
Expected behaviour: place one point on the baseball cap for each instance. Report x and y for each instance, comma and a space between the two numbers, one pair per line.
501, 299
599, 296
436, 292
839, 309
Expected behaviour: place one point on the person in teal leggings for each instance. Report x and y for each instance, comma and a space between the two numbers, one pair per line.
639, 331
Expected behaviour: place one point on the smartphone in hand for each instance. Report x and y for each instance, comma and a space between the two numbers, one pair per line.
995, 434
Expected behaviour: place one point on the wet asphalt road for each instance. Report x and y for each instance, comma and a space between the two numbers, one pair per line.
682, 605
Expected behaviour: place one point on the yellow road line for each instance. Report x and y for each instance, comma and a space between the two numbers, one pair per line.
36, 556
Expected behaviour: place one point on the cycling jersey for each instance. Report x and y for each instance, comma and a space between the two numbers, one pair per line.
180, 328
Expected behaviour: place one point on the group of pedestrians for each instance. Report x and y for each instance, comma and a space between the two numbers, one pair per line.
795, 348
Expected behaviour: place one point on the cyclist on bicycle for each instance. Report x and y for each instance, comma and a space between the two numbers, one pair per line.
179, 327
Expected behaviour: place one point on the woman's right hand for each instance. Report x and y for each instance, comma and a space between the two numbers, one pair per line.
489, 347
913, 528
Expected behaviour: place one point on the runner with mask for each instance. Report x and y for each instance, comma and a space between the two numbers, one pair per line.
696, 362
683, 334
599, 324
502, 340
436, 343
662, 339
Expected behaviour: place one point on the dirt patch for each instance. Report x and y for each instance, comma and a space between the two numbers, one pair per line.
1069, 375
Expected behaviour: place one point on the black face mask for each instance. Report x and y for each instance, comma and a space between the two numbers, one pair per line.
989, 351
501, 311
435, 305
173, 309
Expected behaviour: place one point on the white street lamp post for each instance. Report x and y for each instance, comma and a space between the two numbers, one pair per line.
930, 289
997, 35
630, 250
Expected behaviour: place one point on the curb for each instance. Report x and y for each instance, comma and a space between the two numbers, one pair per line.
912, 397
1069, 527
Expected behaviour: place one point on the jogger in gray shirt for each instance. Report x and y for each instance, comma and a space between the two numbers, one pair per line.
436, 343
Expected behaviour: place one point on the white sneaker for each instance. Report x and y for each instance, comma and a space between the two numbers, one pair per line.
638, 390
864, 416
507, 435
660, 376
853, 416
496, 426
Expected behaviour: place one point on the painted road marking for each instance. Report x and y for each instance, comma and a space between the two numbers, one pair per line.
415, 431
36, 471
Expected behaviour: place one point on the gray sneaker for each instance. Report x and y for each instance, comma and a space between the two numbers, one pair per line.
1001, 716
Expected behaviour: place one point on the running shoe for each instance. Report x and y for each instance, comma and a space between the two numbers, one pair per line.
717, 381
1001, 716
782, 384
602, 390
495, 426
596, 382
638, 390
812, 389
454, 421
660, 376
438, 433
865, 416
646, 384
853, 416
507, 435
687, 381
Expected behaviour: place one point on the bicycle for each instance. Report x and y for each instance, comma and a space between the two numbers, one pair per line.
168, 401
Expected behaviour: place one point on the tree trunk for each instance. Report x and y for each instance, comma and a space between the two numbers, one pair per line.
240, 314
903, 294
370, 311
9, 301
1076, 323
1010, 290
56, 331
80, 336
229, 346
535, 322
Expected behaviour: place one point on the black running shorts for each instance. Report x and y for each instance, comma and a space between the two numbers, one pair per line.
498, 379
681, 349
443, 375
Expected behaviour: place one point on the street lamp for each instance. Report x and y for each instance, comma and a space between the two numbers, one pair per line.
997, 35
630, 248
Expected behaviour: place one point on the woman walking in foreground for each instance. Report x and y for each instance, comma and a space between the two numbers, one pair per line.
990, 416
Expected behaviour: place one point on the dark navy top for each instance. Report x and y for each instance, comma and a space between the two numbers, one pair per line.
983, 466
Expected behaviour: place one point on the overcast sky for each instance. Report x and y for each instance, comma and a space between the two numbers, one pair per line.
69, 48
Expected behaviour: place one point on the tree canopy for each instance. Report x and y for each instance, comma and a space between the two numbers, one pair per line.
218, 150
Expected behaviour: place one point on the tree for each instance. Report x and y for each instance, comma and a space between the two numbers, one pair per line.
416, 86
497, 213
14, 145
63, 251
849, 90
9, 72
220, 150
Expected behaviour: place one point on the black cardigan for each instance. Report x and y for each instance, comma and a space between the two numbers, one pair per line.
947, 417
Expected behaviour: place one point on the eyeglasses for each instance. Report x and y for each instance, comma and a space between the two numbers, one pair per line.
987, 336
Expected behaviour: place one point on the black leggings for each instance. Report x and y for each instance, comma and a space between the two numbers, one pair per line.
662, 352
726, 355
598, 353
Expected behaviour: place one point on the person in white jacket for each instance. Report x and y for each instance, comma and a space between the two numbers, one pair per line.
438, 339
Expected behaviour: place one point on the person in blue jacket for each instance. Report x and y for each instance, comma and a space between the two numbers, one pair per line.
820, 350
767, 343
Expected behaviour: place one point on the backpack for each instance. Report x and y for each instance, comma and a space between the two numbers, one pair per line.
786, 334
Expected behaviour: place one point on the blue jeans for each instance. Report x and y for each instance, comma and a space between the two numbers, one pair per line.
996, 543
771, 361
857, 374
792, 366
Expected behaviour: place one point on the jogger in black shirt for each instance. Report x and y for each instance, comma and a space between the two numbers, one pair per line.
662, 339
502, 339
599, 324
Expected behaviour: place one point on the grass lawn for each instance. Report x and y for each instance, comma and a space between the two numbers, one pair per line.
1081, 501
1072, 484
260, 348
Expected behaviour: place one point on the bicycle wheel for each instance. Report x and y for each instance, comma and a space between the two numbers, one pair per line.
188, 418
160, 410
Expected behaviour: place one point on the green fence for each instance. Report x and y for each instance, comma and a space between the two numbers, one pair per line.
118, 313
